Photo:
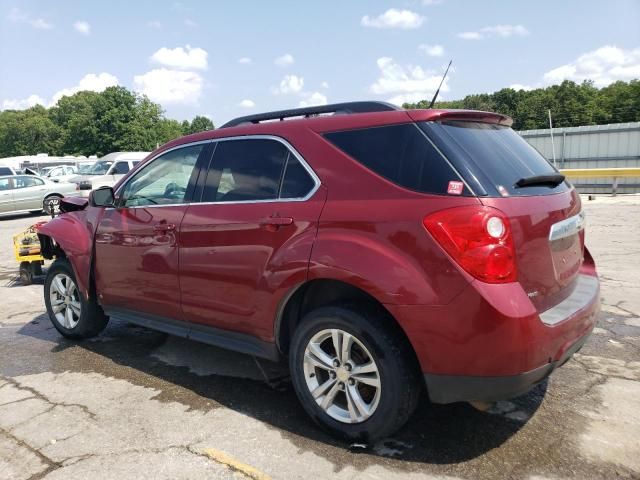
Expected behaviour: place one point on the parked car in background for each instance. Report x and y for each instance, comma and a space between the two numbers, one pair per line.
60, 173
380, 250
31, 193
107, 171
7, 170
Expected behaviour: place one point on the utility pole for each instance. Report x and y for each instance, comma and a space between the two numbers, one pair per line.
553, 147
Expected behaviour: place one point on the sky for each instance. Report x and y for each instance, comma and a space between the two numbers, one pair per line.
223, 59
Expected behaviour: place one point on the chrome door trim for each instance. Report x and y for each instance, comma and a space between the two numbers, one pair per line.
291, 148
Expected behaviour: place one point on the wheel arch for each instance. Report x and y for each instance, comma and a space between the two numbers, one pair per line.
320, 292
71, 236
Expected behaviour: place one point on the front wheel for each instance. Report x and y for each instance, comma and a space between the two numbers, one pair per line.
71, 313
353, 372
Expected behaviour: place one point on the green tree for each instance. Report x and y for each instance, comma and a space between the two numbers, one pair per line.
571, 104
200, 124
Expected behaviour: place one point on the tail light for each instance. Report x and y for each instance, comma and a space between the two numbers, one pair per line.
479, 239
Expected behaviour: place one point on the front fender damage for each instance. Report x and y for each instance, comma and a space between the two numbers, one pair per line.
71, 235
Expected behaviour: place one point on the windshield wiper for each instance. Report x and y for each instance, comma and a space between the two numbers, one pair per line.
552, 180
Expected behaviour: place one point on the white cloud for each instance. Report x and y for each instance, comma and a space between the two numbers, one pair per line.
18, 16
290, 84
246, 103
155, 24
405, 84
91, 82
190, 23
394, 18
284, 60
324, 84
21, 104
519, 86
312, 99
502, 31
181, 58
170, 86
604, 65
244, 61
432, 50
470, 36
82, 27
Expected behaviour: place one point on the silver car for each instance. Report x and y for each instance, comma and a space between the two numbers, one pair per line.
30, 193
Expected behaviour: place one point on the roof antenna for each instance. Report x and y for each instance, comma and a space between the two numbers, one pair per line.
438, 91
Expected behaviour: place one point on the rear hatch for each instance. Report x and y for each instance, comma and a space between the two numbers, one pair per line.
544, 211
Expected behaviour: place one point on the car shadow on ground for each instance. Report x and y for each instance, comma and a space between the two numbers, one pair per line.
436, 434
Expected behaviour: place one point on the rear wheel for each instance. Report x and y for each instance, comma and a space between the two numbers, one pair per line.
71, 313
353, 374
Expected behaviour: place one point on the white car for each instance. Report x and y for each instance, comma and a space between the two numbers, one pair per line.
30, 193
107, 171
6, 170
61, 173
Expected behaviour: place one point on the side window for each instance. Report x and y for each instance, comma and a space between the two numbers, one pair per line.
245, 170
5, 184
400, 153
163, 181
27, 181
297, 183
120, 168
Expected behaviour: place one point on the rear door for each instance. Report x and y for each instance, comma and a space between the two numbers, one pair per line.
136, 259
251, 234
545, 214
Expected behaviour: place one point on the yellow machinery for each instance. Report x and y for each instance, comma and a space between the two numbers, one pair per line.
26, 248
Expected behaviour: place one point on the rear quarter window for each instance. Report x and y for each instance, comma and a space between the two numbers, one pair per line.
400, 153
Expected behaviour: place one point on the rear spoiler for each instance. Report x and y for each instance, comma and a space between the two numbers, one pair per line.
470, 115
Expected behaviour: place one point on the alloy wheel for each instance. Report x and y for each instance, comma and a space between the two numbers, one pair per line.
65, 300
342, 376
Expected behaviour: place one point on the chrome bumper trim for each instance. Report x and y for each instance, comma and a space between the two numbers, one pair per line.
585, 290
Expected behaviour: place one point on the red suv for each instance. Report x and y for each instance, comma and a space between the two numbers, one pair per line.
380, 250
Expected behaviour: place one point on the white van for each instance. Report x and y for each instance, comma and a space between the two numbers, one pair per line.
107, 171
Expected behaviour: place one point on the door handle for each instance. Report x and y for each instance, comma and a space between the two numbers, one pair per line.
276, 221
164, 227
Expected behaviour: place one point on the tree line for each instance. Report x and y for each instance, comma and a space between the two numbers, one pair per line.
571, 104
92, 123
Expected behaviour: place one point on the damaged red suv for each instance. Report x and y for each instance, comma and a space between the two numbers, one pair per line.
380, 250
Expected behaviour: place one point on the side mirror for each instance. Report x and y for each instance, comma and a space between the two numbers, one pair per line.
101, 197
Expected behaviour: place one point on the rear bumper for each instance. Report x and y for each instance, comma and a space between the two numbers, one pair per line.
459, 388
491, 343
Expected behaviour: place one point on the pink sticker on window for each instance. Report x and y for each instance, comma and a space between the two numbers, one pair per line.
455, 188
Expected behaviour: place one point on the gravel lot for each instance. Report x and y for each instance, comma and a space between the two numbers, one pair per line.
136, 403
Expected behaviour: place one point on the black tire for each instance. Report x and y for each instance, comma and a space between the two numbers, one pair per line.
400, 384
51, 202
91, 320
26, 274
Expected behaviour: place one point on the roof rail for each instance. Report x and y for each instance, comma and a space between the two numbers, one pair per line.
336, 108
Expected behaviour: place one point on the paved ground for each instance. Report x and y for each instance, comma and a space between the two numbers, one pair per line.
134, 403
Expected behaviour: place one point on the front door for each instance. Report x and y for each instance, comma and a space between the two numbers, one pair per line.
136, 259
29, 192
252, 233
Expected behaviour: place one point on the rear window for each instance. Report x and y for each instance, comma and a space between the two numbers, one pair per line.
5, 171
400, 153
494, 154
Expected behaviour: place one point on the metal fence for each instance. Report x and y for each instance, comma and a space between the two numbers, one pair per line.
593, 146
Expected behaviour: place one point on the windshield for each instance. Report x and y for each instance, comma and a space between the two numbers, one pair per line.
99, 168
494, 155
84, 169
